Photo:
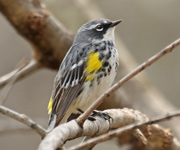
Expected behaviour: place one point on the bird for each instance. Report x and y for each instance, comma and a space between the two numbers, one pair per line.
87, 71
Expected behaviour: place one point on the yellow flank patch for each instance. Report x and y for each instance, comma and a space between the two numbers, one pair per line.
90, 77
93, 62
50, 106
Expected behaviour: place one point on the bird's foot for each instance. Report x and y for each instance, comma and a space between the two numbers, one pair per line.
101, 114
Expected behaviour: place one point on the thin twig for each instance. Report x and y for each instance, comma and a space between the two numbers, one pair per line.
23, 119
116, 86
6, 90
118, 131
9, 85
9, 126
32, 66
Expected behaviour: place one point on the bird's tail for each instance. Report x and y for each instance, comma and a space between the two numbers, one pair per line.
52, 122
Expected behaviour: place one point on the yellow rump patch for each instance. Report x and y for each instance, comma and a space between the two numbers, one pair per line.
50, 106
93, 64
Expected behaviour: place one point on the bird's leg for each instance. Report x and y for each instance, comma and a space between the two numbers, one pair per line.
91, 118
101, 114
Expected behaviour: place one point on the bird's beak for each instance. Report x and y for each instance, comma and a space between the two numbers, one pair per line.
114, 23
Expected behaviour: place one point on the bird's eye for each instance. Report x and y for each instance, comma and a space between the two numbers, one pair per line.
99, 27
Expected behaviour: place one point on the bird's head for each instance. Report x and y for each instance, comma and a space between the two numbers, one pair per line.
96, 30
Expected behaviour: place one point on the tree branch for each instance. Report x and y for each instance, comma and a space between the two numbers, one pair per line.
123, 120
32, 66
71, 130
49, 38
153, 132
9, 126
23, 119
116, 86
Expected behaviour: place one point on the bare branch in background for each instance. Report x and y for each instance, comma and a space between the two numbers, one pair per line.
19, 73
10, 79
23, 119
116, 86
9, 126
48, 37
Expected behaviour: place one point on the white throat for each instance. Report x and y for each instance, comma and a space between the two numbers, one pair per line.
109, 34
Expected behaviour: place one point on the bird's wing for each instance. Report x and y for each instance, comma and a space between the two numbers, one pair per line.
68, 84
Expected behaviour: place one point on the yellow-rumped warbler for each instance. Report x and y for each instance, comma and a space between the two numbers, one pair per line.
86, 72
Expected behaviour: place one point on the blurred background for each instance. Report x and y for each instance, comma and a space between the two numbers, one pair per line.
148, 26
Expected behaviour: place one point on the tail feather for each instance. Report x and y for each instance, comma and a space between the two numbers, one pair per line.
52, 122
